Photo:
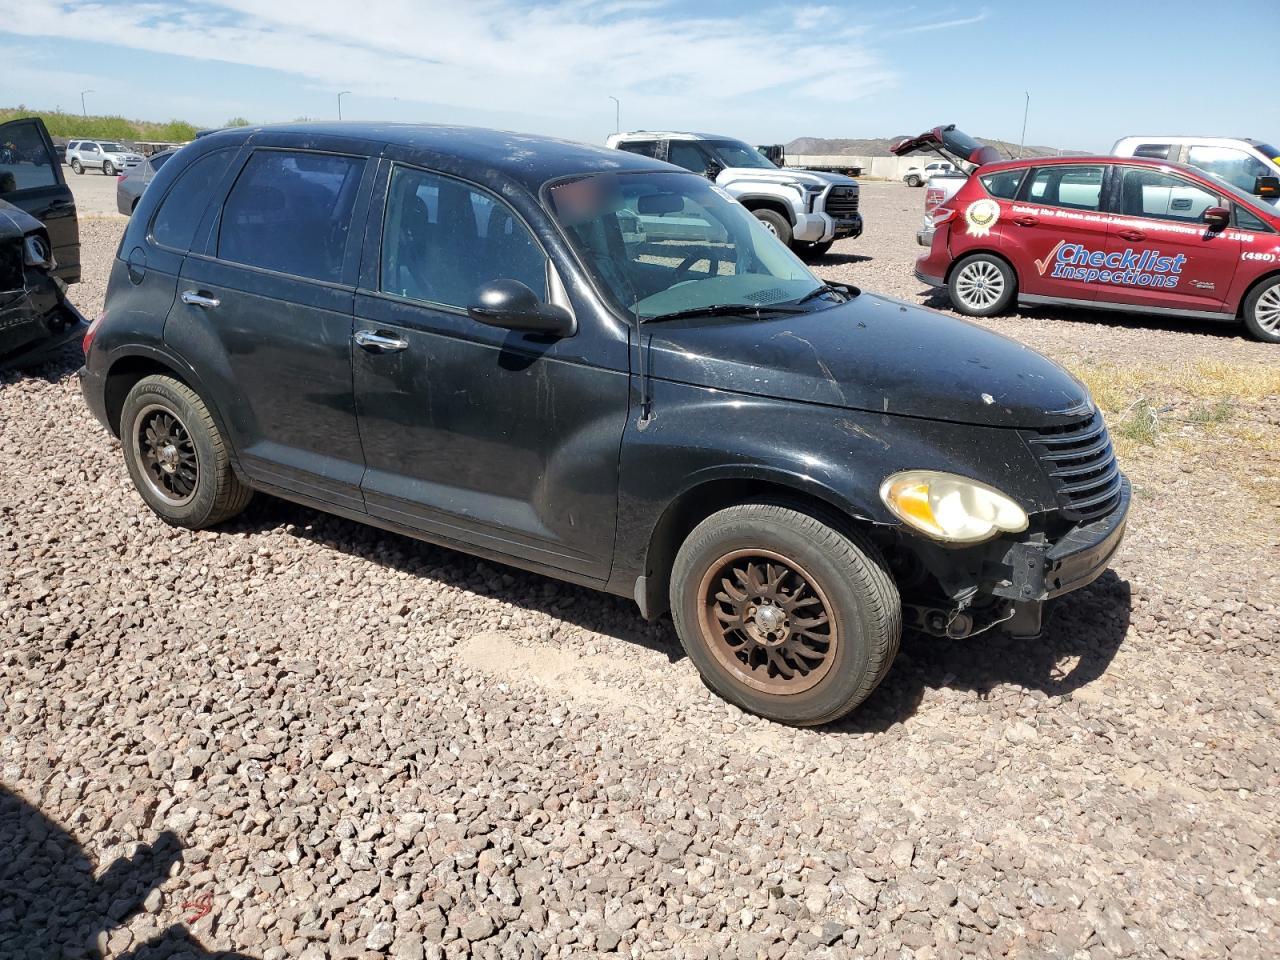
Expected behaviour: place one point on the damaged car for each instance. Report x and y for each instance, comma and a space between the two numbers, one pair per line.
39, 247
600, 367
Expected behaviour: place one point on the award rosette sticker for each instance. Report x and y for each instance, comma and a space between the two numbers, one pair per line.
981, 216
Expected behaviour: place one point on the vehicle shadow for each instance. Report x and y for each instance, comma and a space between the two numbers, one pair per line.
53, 905
835, 259
1078, 644
58, 364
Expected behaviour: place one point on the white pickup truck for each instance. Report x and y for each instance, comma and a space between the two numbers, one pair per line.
919, 176
960, 152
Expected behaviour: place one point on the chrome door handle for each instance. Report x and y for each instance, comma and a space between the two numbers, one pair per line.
197, 299
379, 342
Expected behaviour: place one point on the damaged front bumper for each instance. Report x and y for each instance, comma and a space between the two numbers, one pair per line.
36, 320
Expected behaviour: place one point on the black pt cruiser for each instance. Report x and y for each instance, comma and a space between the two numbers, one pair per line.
600, 367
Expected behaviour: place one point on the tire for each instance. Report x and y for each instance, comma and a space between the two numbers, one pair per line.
914, 181
77, 167
108, 168
775, 223
1262, 311
982, 285
812, 251
841, 575
201, 490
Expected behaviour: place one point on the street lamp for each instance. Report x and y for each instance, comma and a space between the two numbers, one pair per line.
340, 96
1025, 110
82, 108
617, 115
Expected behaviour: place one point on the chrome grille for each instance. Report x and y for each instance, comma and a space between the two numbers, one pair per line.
1082, 464
842, 202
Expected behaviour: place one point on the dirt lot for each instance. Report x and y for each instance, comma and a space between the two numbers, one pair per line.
354, 744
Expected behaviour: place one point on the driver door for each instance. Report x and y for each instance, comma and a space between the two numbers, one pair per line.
31, 179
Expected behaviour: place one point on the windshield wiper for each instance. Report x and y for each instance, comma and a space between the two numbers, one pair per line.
728, 310
844, 290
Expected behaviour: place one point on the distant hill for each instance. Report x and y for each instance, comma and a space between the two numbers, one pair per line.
879, 147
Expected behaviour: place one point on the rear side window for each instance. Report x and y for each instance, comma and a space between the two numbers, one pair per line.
1076, 187
159, 160
646, 148
291, 212
1004, 184
180, 211
1151, 193
442, 239
1155, 151
25, 161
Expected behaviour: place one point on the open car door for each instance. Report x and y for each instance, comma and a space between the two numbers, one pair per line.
31, 179
952, 145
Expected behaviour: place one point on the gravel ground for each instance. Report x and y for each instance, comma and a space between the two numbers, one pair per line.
349, 744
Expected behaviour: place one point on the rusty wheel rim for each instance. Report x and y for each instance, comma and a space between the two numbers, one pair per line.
767, 621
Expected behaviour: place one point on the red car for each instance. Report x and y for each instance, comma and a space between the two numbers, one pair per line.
1114, 233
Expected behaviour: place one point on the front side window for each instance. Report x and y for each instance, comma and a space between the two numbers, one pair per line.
183, 206
1076, 187
1003, 184
1247, 220
1152, 193
662, 243
1153, 151
735, 153
291, 212
25, 162
442, 240
685, 153
1236, 167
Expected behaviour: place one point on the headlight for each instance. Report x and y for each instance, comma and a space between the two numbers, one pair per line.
951, 508
36, 253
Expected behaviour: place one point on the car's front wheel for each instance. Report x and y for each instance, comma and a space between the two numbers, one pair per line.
108, 168
782, 614
982, 285
176, 456
77, 167
775, 223
914, 181
1262, 311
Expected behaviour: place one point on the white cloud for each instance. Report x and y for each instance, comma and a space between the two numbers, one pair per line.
554, 59
951, 24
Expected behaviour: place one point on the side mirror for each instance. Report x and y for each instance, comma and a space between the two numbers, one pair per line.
1267, 187
1218, 218
513, 306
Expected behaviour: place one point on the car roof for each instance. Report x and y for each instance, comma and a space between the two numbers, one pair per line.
669, 135
1093, 160
525, 158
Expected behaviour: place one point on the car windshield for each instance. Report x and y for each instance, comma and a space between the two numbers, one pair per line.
735, 153
109, 147
667, 243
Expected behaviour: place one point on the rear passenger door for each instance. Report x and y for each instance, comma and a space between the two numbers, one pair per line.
31, 179
267, 306
1057, 231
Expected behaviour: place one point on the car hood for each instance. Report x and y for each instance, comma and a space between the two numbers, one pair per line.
783, 175
16, 222
876, 354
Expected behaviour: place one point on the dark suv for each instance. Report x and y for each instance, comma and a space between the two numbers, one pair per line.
592, 365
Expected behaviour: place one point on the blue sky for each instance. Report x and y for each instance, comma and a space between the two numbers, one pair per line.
764, 71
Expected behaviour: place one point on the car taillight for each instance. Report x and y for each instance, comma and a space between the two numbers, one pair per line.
120, 176
941, 215
932, 197
92, 332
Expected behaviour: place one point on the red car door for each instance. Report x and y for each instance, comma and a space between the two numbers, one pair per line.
1055, 228
1160, 252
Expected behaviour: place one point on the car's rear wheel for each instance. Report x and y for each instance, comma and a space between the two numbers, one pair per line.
1262, 311
775, 223
784, 615
982, 285
108, 168
176, 457
914, 181
77, 166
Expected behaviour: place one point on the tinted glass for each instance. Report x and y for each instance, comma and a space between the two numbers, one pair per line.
1003, 184
735, 153
665, 242
113, 147
1247, 221
182, 207
1236, 167
25, 161
1074, 187
1150, 193
291, 213
646, 148
685, 154
442, 240
1156, 151
1267, 150
160, 159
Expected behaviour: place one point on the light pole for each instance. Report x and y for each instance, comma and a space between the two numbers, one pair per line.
340, 96
617, 115
1025, 110
83, 111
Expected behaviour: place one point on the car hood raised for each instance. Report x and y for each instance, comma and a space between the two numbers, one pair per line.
782, 175
876, 354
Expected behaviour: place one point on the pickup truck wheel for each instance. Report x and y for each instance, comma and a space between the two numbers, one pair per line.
775, 223
1262, 312
176, 457
77, 166
982, 285
914, 181
108, 168
812, 251
783, 615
